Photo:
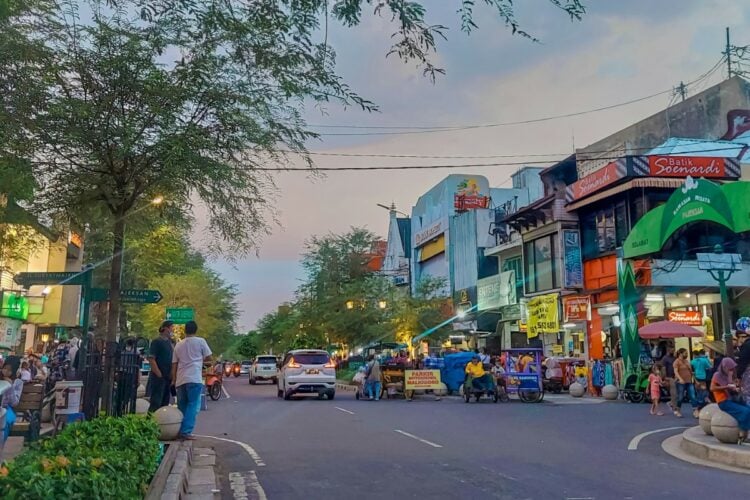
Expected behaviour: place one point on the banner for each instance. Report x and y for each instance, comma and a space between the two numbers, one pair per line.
422, 379
691, 318
543, 315
572, 255
576, 308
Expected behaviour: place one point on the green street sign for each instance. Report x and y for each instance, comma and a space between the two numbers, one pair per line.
128, 296
180, 315
62, 278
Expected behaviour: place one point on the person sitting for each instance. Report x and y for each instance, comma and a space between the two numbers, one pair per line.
476, 375
498, 372
10, 398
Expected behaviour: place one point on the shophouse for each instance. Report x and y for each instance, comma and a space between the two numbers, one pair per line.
30, 317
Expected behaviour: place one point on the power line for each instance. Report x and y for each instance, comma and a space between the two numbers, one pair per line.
467, 165
409, 129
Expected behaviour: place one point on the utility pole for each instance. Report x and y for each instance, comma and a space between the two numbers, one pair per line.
681, 90
728, 53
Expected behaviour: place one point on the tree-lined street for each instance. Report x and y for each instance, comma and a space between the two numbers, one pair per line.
449, 449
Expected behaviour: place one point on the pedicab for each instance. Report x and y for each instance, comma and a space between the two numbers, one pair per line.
526, 383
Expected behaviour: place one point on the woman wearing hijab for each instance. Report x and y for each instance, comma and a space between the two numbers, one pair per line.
723, 389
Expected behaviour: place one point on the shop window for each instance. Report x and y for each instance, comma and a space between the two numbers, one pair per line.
515, 264
604, 230
540, 264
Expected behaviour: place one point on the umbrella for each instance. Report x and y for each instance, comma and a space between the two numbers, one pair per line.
667, 330
715, 346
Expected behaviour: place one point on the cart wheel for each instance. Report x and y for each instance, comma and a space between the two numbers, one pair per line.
637, 397
530, 396
215, 391
504, 397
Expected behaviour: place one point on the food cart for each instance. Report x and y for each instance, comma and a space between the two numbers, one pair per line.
527, 384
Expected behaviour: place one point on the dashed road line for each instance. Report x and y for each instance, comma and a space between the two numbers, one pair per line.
633, 445
249, 449
344, 410
430, 443
240, 482
225, 391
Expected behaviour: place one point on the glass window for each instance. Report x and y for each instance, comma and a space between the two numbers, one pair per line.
540, 264
605, 229
514, 264
621, 223
589, 236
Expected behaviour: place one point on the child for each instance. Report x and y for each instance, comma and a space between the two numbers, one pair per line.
25, 372
654, 385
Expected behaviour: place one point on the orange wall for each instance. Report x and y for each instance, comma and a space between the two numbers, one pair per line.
600, 273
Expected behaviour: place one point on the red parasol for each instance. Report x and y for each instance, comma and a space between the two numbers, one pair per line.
667, 330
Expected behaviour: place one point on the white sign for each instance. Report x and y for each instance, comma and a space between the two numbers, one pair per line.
9, 329
429, 233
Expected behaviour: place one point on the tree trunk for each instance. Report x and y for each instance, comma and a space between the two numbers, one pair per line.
113, 315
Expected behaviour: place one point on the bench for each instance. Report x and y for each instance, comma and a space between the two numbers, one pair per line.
29, 411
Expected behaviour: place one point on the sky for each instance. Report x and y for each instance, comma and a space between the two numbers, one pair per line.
620, 51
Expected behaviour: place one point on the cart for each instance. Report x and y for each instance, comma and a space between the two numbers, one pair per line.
527, 384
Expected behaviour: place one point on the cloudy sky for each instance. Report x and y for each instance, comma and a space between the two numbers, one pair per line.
621, 51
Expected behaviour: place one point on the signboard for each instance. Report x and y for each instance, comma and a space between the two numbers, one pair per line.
469, 195
576, 308
422, 379
496, 291
557, 349
572, 255
9, 332
430, 232
61, 278
180, 315
687, 166
543, 317
14, 306
691, 318
128, 296
523, 381
608, 175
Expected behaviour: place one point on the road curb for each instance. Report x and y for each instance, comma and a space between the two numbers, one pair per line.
695, 447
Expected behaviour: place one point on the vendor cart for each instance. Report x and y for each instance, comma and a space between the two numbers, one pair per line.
527, 384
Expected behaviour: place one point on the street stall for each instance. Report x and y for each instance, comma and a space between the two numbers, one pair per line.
523, 377
635, 387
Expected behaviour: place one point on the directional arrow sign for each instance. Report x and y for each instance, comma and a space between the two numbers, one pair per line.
61, 278
180, 315
128, 296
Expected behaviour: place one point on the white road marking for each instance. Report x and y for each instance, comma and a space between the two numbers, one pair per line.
434, 445
249, 449
239, 484
226, 393
633, 446
345, 411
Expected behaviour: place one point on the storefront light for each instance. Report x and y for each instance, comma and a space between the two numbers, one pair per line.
609, 310
654, 297
569, 325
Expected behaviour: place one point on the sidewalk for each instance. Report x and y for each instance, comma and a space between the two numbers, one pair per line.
696, 447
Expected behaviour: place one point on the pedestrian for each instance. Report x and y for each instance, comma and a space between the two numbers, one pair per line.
654, 383
701, 365
743, 362
160, 358
728, 398
668, 362
374, 386
12, 396
187, 376
684, 378
484, 357
25, 373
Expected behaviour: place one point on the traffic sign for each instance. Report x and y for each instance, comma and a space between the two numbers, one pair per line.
128, 296
180, 315
61, 278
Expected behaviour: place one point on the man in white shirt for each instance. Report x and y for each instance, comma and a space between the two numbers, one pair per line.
187, 376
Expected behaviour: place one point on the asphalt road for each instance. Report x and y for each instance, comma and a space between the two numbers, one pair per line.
348, 449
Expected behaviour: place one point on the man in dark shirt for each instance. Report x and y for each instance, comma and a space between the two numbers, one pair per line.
160, 359
668, 362
743, 363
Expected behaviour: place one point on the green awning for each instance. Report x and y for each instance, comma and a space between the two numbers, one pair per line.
697, 200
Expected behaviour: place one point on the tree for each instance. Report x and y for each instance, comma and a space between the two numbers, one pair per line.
125, 101
426, 309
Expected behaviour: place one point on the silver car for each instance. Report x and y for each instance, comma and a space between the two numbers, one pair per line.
307, 371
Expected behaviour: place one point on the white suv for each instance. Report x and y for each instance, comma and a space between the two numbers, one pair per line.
307, 371
264, 368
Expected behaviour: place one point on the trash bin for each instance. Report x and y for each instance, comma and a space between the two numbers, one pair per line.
68, 397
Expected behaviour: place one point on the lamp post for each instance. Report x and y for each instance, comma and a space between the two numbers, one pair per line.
721, 267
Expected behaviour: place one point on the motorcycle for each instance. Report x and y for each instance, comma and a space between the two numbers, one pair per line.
228, 369
236, 369
213, 382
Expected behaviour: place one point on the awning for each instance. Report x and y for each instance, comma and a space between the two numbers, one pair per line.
645, 182
668, 330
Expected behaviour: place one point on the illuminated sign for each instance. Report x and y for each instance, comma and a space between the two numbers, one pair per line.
14, 306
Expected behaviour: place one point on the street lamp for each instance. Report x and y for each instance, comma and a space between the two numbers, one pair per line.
382, 304
158, 200
47, 290
350, 304
45, 337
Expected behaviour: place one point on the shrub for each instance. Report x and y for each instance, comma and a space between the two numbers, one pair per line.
104, 458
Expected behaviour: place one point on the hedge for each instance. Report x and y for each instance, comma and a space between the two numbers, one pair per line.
104, 458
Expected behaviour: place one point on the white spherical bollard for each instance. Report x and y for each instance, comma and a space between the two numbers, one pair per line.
576, 390
610, 392
724, 427
442, 391
141, 391
169, 419
141, 406
704, 419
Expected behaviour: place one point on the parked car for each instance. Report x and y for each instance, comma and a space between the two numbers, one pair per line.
307, 371
265, 367
245, 367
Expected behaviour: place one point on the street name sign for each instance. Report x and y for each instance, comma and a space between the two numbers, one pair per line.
180, 315
60, 278
128, 296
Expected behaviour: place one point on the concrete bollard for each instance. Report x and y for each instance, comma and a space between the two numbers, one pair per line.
610, 392
704, 419
576, 390
169, 419
724, 427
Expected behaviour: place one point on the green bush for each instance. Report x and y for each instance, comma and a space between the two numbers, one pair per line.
104, 458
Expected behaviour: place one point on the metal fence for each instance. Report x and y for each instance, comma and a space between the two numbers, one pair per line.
126, 358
